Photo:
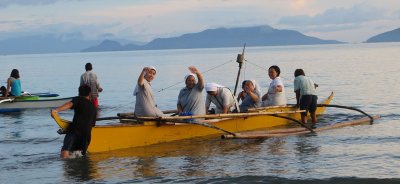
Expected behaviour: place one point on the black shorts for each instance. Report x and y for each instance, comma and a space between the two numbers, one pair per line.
74, 143
308, 103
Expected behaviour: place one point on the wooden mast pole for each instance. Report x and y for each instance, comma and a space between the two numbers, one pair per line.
240, 60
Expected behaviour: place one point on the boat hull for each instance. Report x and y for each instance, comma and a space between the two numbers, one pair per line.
17, 105
114, 137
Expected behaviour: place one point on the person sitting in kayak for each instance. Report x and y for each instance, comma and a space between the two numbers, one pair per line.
221, 97
252, 99
306, 95
190, 98
13, 84
145, 105
78, 134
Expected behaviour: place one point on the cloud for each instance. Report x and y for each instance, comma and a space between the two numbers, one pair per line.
357, 14
6, 3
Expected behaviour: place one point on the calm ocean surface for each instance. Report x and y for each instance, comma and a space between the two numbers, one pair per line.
361, 75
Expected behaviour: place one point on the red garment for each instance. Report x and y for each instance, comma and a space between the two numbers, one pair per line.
95, 102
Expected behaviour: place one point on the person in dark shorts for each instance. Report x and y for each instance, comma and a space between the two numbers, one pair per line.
306, 96
78, 134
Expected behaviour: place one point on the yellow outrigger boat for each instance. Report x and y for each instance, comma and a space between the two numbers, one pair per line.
154, 131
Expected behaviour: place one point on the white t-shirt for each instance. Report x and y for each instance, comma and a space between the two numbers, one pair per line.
275, 98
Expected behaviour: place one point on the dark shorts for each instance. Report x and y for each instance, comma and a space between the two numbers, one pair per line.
308, 103
74, 143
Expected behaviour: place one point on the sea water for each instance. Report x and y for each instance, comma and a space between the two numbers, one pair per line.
361, 75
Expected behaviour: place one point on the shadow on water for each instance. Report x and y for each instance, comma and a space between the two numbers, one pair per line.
79, 169
267, 180
188, 158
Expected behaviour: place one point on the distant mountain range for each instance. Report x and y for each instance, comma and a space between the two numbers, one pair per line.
390, 36
210, 38
221, 37
38, 44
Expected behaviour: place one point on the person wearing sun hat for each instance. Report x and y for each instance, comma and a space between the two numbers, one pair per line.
221, 97
145, 105
190, 98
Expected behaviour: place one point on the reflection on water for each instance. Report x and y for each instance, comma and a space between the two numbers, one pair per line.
80, 169
30, 145
188, 158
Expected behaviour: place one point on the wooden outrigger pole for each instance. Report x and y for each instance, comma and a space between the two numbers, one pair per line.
240, 60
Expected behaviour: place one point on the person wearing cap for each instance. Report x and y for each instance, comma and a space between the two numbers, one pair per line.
90, 78
252, 99
221, 97
145, 105
190, 98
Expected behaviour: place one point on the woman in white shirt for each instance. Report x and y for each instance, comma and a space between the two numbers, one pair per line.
276, 91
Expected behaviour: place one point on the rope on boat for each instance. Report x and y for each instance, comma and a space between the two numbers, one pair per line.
202, 72
265, 69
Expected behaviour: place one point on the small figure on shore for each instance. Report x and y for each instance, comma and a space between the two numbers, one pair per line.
306, 96
78, 134
221, 97
276, 90
90, 78
190, 98
145, 105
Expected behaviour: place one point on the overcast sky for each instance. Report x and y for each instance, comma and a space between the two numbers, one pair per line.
143, 20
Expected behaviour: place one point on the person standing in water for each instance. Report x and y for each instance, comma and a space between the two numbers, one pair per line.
78, 134
306, 95
90, 78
